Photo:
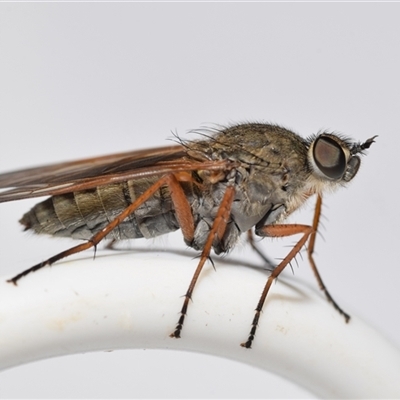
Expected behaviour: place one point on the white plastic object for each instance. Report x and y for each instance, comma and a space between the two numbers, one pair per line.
132, 300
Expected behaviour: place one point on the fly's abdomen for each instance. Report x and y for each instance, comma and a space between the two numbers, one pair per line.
79, 215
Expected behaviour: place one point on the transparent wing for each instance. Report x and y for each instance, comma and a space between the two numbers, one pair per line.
92, 172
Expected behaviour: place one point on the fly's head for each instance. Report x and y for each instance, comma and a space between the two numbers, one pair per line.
334, 160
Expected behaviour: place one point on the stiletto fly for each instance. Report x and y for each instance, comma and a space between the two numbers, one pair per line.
213, 189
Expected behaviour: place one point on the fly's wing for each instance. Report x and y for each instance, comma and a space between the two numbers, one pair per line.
92, 172
87, 168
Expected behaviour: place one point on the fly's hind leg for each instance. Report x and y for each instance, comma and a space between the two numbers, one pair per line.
182, 209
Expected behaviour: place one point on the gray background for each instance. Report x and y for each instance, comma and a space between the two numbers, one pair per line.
86, 79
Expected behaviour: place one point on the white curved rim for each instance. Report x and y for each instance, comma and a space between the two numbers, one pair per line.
133, 299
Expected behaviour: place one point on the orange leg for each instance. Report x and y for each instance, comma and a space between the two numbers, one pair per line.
309, 232
217, 231
310, 251
277, 231
182, 209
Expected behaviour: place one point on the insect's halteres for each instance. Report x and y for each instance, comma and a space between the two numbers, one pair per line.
232, 180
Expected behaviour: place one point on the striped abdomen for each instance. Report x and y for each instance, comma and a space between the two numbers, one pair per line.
79, 215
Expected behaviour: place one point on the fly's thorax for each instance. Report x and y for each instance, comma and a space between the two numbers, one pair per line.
262, 192
251, 143
271, 170
269, 195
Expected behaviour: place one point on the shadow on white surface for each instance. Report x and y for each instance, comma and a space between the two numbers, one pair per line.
125, 302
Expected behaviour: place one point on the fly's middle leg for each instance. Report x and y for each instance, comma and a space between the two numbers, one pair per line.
217, 232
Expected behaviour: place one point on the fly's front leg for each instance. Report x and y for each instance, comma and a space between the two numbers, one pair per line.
217, 232
183, 214
277, 231
310, 251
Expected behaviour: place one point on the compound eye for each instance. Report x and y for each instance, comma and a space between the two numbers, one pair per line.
329, 157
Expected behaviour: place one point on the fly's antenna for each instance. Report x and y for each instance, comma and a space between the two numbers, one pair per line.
360, 147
